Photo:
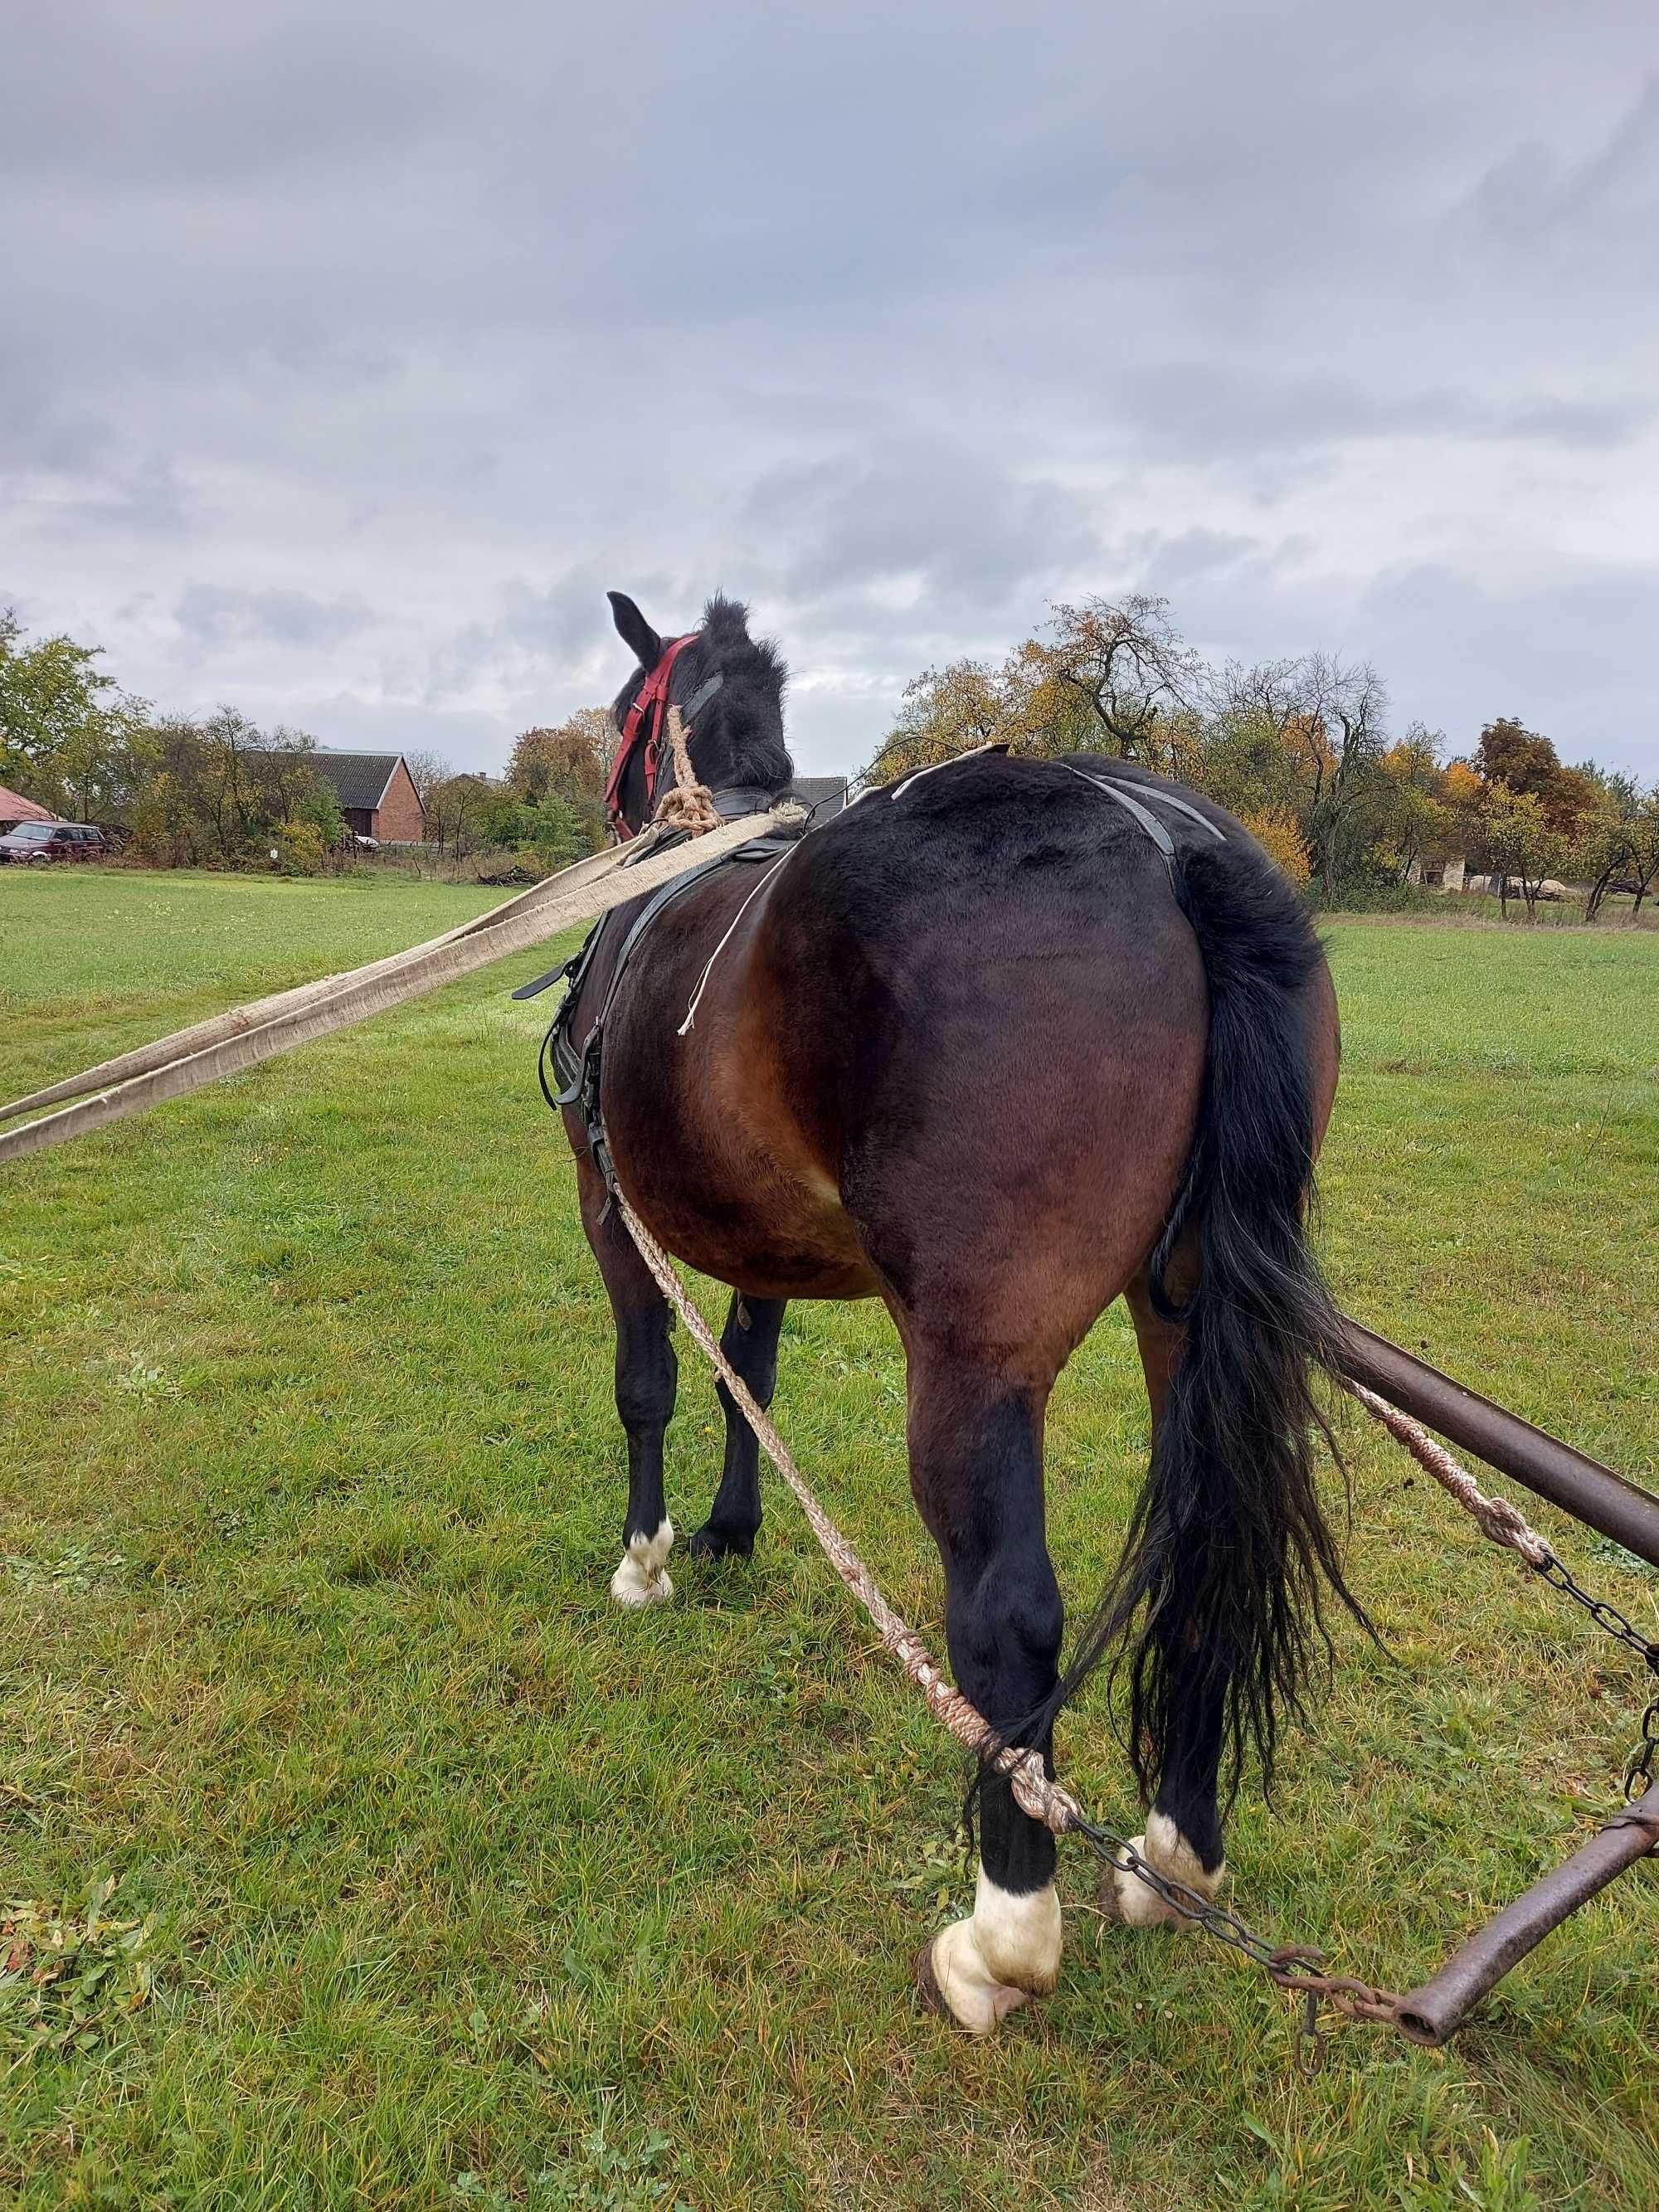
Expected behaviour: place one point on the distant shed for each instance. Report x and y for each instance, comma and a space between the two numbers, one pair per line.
825, 794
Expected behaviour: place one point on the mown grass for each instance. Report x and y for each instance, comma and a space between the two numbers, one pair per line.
469, 1890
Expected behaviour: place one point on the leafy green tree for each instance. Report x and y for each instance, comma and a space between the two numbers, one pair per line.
1521, 843
1644, 845
69, 738
553, 832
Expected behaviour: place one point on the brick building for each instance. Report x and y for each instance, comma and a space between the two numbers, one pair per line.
376, 792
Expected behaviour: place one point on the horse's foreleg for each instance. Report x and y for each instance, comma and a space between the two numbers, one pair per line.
976, 1470
750, 1341
1184, 1830
647, 1376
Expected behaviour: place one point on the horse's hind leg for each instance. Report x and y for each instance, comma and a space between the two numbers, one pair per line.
976, 1469
1183, 1829
647, 1378
750, 1341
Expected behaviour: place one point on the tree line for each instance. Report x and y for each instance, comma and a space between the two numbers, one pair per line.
1304, 751
218, 791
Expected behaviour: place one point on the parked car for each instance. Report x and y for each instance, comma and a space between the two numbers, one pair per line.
37, 841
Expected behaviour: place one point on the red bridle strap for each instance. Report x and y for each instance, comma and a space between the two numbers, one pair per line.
649, 713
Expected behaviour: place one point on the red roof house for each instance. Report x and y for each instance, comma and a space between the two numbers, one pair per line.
14, 808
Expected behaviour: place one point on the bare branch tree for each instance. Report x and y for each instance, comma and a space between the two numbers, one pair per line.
1126, 665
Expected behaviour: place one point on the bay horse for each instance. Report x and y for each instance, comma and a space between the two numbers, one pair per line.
999, 1043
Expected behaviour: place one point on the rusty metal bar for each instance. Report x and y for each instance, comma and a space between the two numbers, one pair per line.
1580, 1485
1435, 2012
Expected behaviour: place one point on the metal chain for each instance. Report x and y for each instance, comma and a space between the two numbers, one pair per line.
1605, 1615
1504, 1523
1286, 1964
1638, 1771
1638, 1774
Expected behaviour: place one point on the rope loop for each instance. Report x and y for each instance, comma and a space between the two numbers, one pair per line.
686, 804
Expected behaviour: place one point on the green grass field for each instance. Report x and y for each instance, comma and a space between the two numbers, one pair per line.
464, 1889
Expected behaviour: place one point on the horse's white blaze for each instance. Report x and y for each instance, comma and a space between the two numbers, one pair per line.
1167, 1851
1006, 1951
642, 1578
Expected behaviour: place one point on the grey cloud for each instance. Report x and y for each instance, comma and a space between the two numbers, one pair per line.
919, 508
163, 95
1530, 194
217, 614
555, 637
1193, 410
897, 322
1573, 651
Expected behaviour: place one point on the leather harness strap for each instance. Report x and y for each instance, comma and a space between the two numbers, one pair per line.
649, 714
576, 1068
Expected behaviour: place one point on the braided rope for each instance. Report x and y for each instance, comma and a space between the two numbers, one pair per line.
1494, 1517
687, 804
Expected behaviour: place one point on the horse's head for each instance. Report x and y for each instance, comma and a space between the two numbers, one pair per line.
729, 689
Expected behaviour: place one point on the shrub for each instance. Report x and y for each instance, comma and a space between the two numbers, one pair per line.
299, 846
1274, 829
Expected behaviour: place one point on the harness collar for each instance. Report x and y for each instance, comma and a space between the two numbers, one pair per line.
648, 715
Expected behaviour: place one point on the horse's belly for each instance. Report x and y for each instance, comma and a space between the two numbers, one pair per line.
766, 1234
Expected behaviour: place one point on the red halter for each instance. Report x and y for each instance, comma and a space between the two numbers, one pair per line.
652, 701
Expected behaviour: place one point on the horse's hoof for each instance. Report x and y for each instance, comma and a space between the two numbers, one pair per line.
631, 1586
927, 1988
1132, 1903
968, 1999
707, 1543
642, 1578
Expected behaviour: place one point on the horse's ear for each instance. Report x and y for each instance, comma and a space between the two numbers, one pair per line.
634, 630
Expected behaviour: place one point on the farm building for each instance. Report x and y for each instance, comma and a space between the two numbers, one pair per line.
825, 794
376, 792
14, 808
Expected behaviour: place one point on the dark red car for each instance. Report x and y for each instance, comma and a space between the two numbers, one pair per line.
54, 841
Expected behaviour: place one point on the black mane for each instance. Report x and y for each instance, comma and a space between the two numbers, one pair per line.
739, 737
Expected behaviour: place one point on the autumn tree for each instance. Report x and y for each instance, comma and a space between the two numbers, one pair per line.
1414, 820
1123, 670
1327, 719
573, 757
1525, 762
950, 710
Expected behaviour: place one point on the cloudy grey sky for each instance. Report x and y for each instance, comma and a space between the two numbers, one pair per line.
349, 349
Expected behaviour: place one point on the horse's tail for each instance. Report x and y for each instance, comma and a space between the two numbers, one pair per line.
1216, 1598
